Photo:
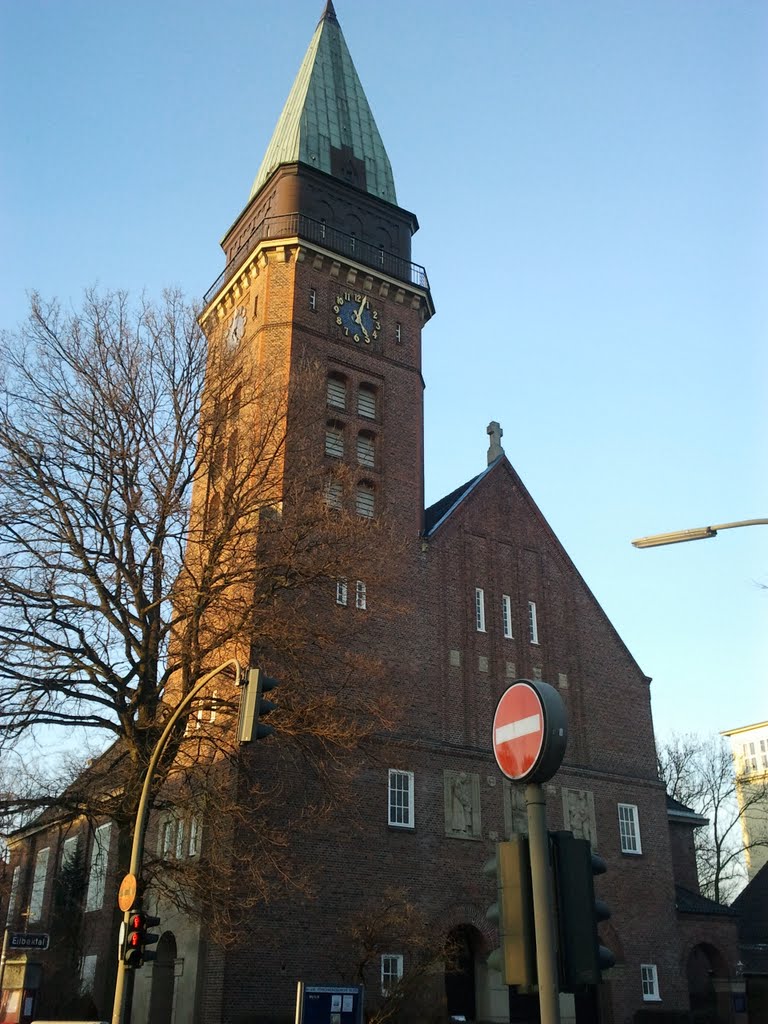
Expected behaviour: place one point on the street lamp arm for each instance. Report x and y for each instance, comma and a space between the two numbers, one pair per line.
698, 533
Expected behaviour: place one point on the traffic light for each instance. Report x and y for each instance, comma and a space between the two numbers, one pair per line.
253, 707
513, 913
582, 958
137, 938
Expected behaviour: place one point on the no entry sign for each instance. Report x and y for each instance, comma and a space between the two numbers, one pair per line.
529, 731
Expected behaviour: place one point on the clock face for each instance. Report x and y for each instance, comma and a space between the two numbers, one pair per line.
356, 317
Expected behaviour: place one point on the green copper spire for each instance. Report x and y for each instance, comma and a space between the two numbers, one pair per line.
326, 121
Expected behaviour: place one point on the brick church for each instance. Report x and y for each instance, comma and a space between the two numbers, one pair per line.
319, 264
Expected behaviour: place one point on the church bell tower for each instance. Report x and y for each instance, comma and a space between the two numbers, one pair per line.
318, 265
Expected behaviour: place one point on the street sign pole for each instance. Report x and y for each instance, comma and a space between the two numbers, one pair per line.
541, 884
4, 956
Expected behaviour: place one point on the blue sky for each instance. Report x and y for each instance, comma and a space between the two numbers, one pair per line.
590, 180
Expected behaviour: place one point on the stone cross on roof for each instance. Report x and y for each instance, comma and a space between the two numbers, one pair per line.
496, 433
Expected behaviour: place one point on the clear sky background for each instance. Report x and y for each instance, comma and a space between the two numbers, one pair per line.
591, 181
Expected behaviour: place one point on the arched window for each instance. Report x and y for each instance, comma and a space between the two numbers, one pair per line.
337, 391
334, 440
366, 401
365, 502
366, 452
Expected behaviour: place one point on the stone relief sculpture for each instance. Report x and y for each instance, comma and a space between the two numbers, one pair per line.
579, 813
515, 812
462, 804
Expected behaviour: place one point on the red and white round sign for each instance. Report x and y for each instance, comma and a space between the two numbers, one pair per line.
518, 730
530, 731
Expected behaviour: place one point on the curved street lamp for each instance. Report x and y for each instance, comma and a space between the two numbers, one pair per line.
698, 533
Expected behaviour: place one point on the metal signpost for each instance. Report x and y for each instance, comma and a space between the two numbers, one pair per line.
529, 738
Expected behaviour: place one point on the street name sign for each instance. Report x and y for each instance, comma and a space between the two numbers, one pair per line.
529, 731
29, 940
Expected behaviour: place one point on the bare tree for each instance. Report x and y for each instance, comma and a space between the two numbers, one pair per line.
149, 530
699, 772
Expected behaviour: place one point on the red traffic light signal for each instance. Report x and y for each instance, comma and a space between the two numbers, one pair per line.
137, 938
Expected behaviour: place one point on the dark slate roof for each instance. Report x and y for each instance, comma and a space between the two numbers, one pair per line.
687, 902
435, 514
752, 907
682, 813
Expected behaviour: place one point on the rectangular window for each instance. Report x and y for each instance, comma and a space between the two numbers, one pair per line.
366, 402
365, 450
38, 885
194, 837
360, 599
313, 300
87, 973
506, 615
391, 971
14, 893
179, 839
68, 851
650, 982
400, 798
479, 610
629, 829
398, 334
334, 442
365, 501
337, 393
533, 622
341, 592
334, 494
97, 875
166, 838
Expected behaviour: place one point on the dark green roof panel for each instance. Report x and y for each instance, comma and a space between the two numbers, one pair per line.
326, 110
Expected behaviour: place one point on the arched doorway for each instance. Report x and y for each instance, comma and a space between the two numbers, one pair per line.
463, 944
161, 995
708, 988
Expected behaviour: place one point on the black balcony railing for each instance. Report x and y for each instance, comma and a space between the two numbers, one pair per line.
297, 224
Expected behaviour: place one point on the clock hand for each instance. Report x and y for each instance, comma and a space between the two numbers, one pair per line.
360, 309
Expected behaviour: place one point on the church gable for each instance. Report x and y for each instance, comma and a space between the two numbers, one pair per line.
510, 603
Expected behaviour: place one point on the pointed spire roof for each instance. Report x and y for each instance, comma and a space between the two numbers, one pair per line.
326, 120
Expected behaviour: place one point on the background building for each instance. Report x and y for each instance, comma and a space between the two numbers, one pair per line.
749, 745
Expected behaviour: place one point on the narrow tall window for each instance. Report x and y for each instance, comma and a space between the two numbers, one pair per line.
360, 597
365, 449
179, 839
38, 885
479, 610
400, 798
506, 615
650, 982
14, 893
337, 392
334, 441
97, 876
391, 971
398, 333
629, 829
313, 300
365, 500
366, 401
533, 622
166, 838
194, 837
381, 255
334, 494
88, 973
352, 243
68, 852
341, 592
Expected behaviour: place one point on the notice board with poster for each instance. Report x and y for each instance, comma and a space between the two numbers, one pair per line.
329, 1004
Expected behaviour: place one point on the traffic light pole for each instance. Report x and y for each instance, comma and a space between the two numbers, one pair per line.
541, 881
137, 848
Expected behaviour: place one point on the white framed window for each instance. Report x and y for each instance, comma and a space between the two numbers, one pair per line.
506, 616
366, 401
13, 896
313, 300
97, 875
166, 838
629, 829
398, 333
68, 851
391, 971
38, 884
341, 592
365, 501
533, 622
479, 609
334, 494
400, 798
87, 973
360, 597
179, 839
649, 979
336, 392
334, 441
194, 837
366, 453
